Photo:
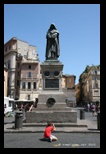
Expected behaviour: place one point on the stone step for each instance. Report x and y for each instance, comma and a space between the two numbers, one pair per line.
51, 108
56, 124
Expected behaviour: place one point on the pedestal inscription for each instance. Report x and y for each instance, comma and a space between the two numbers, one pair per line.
51, 83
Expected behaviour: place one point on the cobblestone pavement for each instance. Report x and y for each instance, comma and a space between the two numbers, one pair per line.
65, 140
68, 137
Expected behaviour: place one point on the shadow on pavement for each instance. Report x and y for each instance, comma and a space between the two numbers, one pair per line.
44, 139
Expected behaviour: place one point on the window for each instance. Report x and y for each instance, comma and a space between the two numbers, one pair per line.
29, 66
10, 103
28, 97
34, 85
17, 82
18, 65
29, 85
95, 72
29, 74
17, 92
9, 64
18, 74
23, 85
95, 85
96, 93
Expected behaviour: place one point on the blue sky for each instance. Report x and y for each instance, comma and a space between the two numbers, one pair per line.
78, 26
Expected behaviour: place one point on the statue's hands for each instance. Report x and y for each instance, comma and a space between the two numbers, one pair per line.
54, 35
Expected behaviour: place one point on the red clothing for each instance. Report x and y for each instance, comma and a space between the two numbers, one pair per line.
48, 130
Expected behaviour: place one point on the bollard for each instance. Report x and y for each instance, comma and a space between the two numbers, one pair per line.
23, 113
98, 120
82, 114
18, 119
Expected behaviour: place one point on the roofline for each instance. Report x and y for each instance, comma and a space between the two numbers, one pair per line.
15, 38
67, 75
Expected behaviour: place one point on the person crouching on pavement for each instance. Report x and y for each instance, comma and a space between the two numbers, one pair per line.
47, 133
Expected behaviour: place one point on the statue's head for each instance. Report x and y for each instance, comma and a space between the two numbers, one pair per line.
52, 26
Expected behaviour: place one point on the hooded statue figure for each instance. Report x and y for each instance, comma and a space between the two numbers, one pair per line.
52, 46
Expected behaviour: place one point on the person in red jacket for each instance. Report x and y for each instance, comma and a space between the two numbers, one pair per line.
47, 133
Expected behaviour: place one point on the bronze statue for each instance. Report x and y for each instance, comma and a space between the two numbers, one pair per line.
52, 46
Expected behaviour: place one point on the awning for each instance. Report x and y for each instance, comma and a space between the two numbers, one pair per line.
24, 100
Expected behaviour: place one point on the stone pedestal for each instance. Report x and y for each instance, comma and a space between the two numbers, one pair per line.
51, 95
51, 100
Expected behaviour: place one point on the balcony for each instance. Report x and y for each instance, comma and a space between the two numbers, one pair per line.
9, 51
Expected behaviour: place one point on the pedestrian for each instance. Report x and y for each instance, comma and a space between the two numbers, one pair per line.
88, 107
94, 110
16, 106
31, 107
21, 107
26, 107
47, 133
98, 108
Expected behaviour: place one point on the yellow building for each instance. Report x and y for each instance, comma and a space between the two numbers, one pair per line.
77, 92
68, 87
90, 85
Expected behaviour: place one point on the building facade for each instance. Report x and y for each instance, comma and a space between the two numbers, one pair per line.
68, 81
5, 80
90, 85
93, 84
68, 87
29, 80
17, 55
77, 92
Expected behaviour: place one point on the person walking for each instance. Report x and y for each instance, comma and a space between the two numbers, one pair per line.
94, 110
31, 107
26, 107
88, 107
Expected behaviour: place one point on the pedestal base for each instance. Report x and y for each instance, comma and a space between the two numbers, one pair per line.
51, 100
58, 116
